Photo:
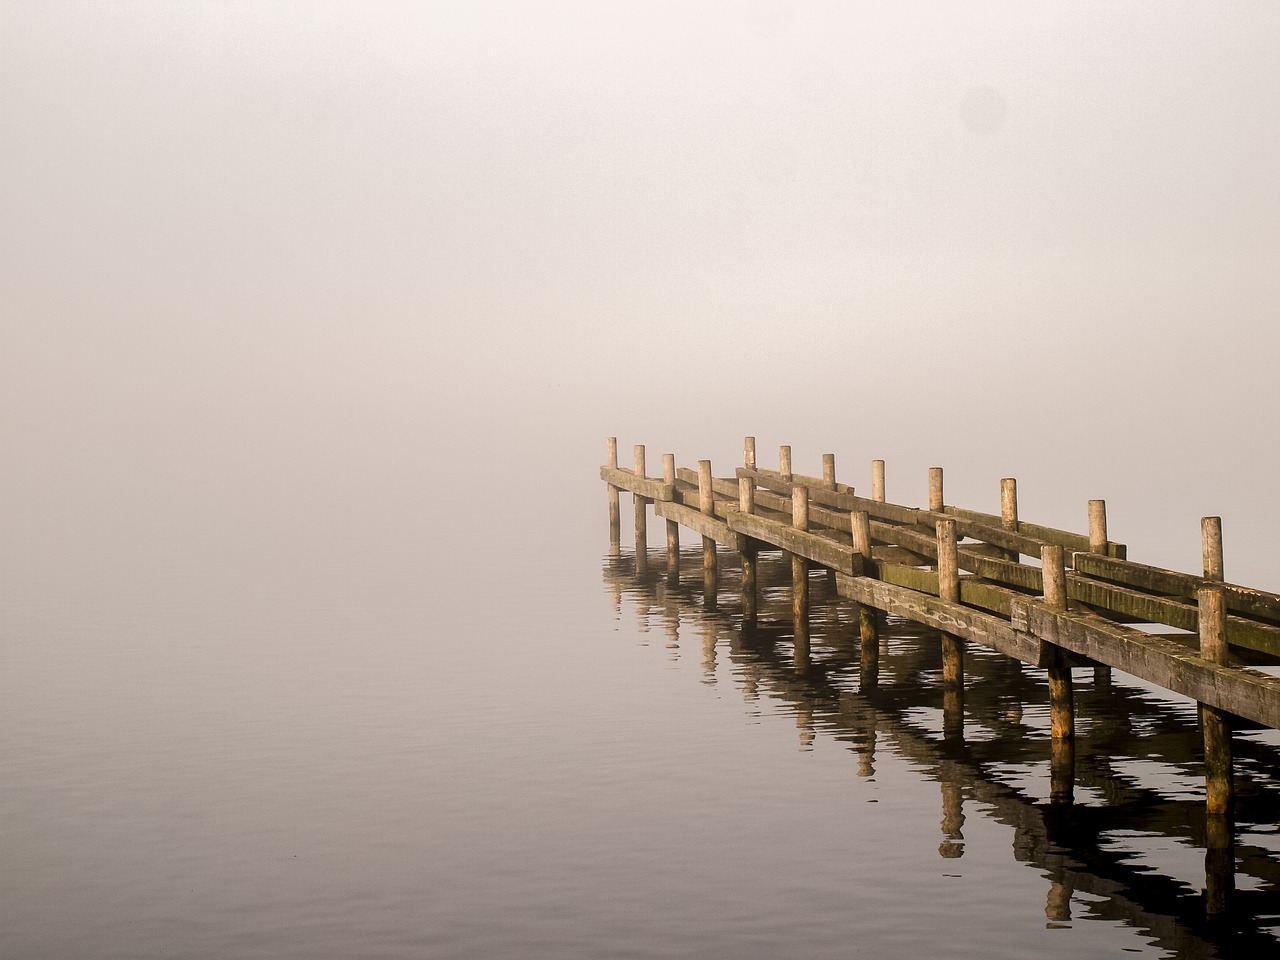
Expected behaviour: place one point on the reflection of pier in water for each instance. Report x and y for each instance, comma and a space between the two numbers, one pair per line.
1000, 755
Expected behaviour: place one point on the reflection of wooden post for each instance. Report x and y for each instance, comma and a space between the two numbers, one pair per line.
877, 480
952, 646
749, 452
800, 578
615, 512
784, 461
868, 641
935, 489
673, 528
747, 504
1062, 717
1057, 905
829, 470
706, 503
1098, 526
1219, 865
1217, 731
952, 846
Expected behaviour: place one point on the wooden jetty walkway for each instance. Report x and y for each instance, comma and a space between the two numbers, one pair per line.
1046, 597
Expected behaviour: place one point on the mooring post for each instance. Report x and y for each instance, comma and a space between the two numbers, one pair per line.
1211, 547
868, 639
1217, 731
877, 481
615, 512
1062, 713
1098, 526
784, 461
673, 527
935, 489
829, 471
1009, 510
952, 646
747, 504
706, 503
800, 577
749, 452
642, 544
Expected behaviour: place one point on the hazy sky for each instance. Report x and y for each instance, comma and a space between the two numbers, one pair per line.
232, 228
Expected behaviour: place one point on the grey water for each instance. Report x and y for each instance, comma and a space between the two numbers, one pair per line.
385, 706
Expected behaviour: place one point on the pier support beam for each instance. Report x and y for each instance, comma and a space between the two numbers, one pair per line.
706, 504
642, 516
868, 639
952, 646
800, 580
673, 527
615, 512
1062, 712
750, 563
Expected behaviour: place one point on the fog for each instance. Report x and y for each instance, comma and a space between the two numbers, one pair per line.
264, 257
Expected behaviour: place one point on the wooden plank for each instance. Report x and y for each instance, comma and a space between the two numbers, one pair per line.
771, 480
698, 522
728, 489
1243, 600
1071, 541
953, 618
1247, 693
643, 486
812, 546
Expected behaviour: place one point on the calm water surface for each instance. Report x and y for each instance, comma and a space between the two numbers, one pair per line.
301, 723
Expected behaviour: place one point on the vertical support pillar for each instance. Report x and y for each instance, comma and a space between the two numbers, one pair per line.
1211, 547
800, 580
935, 489
1009, 510
829, 471
642, 533
1098, 526
952, 646
747, 504
1217, 731
749, 452
706, 503
784, 461
673, 528
1062, 713
877, 481
868, 639
615, 512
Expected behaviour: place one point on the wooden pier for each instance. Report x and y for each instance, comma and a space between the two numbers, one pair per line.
1050, 598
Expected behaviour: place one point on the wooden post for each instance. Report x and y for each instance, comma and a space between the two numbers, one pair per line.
673, 528
1217, 730
877, 481
952, 646
1009, 510
749, 452
747, 504
706, 503
1098, 526
1211, 547
868, 639
935, 489
800, 577
1219, 865
615, 512
642, 526
1062, 714
829, 471
784, 461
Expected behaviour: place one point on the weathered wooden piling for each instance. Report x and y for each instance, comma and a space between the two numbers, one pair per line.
642, 540
615, 511
707, 505
747, 504
1098, 526
749, 452
935, 489
952, 646
1215, 723
673, 527
1211, 547
1062, 712
868, 640
829, 471
1009, 512
784, 461
877, 481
